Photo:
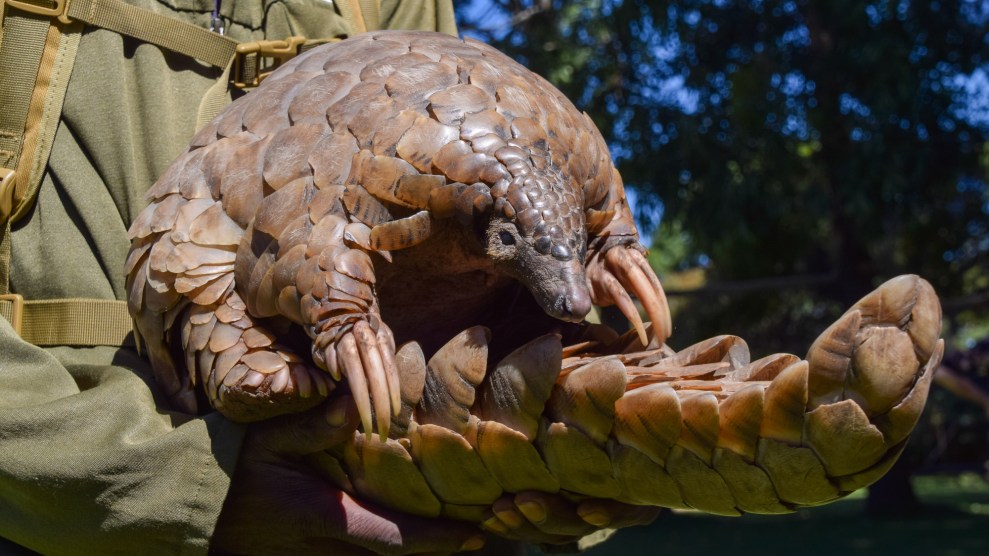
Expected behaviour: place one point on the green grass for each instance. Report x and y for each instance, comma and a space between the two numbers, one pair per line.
954, 520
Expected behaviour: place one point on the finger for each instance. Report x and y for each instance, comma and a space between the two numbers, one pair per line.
386, 345
611, 513
552, 514
367, 344
524, 532
387, 532
350, 362
625, 305
312, 431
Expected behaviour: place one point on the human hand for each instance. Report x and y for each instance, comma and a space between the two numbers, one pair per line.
280, 504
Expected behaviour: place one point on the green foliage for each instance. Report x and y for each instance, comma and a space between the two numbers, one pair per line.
801, 152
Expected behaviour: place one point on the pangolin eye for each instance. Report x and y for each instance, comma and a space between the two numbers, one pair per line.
506, 238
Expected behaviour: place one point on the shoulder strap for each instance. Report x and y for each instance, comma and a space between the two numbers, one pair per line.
36, 58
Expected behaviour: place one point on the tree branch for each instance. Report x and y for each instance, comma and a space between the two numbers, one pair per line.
758, 284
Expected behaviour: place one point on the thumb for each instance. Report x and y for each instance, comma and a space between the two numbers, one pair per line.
391, 532
318, 429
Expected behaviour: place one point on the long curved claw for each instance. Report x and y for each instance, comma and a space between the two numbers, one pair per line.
633, 271
332, 364
662, 317
350, 363
370, 353
365, 356
625, 305
386, 341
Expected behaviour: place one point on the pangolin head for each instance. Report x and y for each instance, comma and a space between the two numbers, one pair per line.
537, 234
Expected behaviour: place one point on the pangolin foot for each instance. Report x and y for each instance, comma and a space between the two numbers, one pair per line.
366, 358
620, 271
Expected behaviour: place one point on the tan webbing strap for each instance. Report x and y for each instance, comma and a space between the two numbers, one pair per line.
217, 98
69, 321
21, 49
36, 59
371, 12
144, 25
5, 258
351, 11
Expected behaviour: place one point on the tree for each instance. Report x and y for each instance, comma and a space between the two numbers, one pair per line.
801, 152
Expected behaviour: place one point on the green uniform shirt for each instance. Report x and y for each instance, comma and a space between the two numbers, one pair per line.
89, 462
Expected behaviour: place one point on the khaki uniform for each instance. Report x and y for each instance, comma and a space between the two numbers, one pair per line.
89, 462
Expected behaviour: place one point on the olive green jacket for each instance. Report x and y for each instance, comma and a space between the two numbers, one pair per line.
91, 461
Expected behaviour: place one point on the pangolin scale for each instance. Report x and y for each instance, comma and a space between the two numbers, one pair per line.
375, 198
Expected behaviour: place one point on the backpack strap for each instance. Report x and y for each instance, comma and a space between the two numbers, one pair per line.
351, 11
36, 58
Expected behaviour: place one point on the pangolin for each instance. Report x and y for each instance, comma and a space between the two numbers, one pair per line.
395, 186
406, 188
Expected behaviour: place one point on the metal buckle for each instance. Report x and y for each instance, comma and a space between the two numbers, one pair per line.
51, 8
16, 317
254, 52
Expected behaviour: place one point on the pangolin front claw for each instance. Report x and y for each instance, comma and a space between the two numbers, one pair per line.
367, 359
623, 271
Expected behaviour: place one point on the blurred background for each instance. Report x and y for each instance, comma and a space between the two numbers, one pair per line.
785, 158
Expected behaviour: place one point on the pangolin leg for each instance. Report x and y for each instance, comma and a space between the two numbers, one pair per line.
246, 375
350, 341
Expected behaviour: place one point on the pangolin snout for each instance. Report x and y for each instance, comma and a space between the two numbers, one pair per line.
572, 305
566, 296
